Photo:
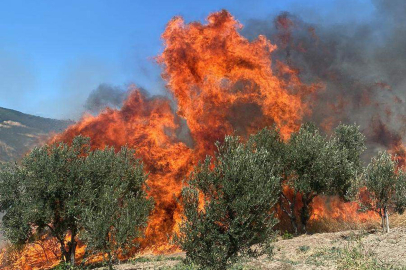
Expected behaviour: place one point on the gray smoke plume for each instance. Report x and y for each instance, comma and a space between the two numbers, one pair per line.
362, 66
104, 96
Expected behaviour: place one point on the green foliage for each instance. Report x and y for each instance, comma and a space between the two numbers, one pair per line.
227, 206
352, 256
316, 164
358, 258
322, 165
304, 248
386, 187
63, 190
270, 140
116, 209
65, 266
41, 195
286, 235
350, 143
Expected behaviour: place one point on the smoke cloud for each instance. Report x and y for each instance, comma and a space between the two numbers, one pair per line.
104, 96
361, 65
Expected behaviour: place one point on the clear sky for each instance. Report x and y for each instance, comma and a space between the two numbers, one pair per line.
54, 53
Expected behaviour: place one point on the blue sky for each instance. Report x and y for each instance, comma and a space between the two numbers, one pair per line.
54, 53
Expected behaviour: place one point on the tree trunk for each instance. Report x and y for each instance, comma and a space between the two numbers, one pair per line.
292, 217
64, 254
382, 219
110, 261
305, 212
72, 248
294, 225
72, 253
290, 212
386, 216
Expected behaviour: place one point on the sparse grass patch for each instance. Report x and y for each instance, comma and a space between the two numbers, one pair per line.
286, 235
159, 258
355, 236
353, 256
304, 248
288, 261
190, 266
358, 258
182, 266
67, 266
319, 257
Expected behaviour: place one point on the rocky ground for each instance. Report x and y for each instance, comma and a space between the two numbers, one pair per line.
355, 249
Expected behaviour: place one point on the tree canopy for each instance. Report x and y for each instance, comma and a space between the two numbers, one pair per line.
386, 187
312, 164
227, 205
57, 188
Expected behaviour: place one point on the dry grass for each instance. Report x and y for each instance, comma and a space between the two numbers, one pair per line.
354, 249
398, 220
330, 225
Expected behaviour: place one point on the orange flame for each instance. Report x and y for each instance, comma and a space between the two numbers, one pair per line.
399, 152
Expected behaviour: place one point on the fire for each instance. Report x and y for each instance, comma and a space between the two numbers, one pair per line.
336, 209
399, 152
221, 83
149, 126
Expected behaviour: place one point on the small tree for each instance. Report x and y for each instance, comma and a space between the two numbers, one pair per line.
386, 188
45, 194
116, 209
227, 205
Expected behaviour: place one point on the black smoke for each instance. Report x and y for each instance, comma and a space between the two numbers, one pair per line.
362, 66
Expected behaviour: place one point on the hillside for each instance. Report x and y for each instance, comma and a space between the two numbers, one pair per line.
19, 132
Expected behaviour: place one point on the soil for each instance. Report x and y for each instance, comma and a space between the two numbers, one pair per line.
317, 251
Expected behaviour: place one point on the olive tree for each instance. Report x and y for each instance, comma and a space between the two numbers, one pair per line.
227, 205
55, 188
386, 186
41, 196
313, 164
116, 210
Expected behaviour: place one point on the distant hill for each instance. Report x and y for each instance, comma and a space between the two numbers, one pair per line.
20, 132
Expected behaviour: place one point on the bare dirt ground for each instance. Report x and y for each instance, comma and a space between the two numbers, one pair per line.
328, 250
355, 249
